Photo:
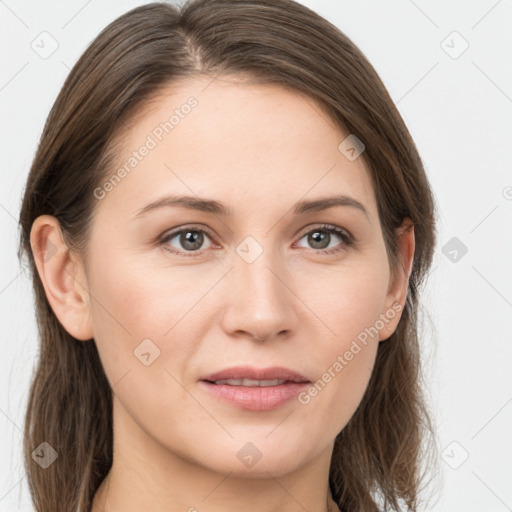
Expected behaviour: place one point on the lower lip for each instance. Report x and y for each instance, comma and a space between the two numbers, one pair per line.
256, 398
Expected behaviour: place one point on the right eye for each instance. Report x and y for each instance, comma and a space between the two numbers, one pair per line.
190, 238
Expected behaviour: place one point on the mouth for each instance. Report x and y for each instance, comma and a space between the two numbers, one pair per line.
251, 376
250, 382
255, 389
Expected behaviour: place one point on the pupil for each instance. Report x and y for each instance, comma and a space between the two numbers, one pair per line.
318, 237
192, 237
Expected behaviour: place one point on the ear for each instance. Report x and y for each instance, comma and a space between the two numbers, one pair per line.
398, 285
63, 277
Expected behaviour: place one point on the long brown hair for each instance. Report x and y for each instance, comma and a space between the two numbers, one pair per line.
377, 458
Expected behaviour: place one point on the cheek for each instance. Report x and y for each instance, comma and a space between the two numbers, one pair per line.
136, 320
136, 300
148, 313
348, 305
131, 312
346, 300
340, 389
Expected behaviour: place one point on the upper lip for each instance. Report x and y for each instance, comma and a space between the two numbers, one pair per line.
249, 372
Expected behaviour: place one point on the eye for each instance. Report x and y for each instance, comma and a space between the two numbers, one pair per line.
190, 238
321, 236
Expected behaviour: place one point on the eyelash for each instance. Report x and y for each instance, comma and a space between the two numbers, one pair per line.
346, 237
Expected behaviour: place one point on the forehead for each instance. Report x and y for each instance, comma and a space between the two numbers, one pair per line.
230, 139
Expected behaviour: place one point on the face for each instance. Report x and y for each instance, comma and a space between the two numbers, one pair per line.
180, 291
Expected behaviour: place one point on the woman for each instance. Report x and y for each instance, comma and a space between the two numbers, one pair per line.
227, 223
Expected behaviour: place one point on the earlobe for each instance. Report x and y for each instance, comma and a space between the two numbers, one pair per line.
63, 277
397, 292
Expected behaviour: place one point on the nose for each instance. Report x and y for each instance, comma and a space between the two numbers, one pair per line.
259, 302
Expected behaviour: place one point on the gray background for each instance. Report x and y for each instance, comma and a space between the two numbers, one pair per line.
457, 103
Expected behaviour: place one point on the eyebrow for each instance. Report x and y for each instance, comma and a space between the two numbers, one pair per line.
218, 208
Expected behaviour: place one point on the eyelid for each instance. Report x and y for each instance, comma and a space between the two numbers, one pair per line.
327, 226
191, 227
186, 227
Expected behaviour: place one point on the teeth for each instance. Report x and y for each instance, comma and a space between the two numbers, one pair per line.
250, 382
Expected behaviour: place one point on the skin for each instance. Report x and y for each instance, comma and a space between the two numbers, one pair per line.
258, 149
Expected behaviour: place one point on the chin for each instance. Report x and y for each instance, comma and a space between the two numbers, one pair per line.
255, 459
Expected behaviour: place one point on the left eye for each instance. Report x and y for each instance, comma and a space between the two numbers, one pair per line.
318, 236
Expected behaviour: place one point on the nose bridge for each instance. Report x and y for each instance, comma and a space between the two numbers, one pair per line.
259, 302
255, 268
